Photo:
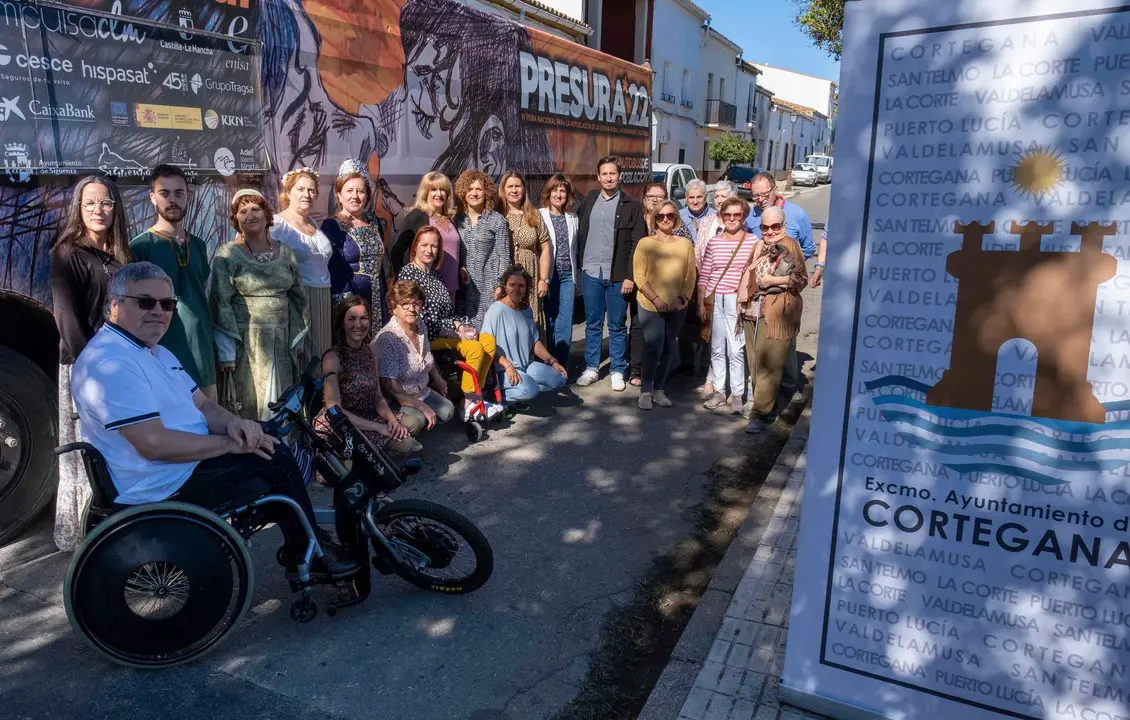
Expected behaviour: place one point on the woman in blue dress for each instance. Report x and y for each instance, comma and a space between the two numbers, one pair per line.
359, 264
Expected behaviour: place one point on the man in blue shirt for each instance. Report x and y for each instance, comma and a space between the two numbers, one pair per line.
696, 210
797, 224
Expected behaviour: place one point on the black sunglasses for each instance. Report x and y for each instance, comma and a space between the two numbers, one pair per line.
665, 217
775, 227
148, 303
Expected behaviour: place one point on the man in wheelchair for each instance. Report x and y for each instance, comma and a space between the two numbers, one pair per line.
162, 438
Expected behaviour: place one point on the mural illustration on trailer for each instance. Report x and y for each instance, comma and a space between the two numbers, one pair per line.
405, 86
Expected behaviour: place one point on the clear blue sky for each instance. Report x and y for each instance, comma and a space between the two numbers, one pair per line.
766, 31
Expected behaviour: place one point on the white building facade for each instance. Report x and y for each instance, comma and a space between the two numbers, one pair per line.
563, 18
819, 94
678, 40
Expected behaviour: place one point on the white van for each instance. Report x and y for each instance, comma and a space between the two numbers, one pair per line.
823, 165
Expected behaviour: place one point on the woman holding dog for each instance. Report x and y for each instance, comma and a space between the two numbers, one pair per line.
770, 316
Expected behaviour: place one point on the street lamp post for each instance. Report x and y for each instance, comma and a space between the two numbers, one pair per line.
791, 152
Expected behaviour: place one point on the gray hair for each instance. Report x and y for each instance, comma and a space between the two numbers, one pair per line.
696, 184
127, 276
767, 177
773, 211
724, 185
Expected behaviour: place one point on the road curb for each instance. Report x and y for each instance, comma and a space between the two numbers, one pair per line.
689, 655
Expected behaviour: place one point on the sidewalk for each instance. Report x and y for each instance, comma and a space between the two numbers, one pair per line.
727, 665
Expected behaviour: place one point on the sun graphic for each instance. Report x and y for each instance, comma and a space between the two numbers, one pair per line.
1037, 172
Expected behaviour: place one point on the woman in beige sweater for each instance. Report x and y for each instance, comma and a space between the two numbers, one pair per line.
770, 304
665, 272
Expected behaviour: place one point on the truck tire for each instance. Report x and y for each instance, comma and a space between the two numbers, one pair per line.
29, 408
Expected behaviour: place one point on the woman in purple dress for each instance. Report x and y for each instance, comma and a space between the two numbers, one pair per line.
358, 265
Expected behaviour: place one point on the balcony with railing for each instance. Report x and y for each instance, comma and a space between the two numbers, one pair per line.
721, 114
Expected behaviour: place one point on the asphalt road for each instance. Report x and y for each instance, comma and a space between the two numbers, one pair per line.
577, 499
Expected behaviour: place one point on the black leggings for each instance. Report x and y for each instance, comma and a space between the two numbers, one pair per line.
229, 481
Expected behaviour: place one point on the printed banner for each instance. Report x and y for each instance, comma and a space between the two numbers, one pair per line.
965, 549
88, 90
404, 86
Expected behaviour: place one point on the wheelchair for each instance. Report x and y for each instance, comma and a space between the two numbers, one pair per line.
161, 584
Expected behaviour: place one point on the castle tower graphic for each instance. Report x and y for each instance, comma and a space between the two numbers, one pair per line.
1047, 298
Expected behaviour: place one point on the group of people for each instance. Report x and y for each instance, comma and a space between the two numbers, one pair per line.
474, 271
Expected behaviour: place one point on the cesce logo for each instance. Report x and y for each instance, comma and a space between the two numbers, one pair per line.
36, 62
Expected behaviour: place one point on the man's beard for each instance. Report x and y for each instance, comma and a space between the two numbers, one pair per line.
171, 214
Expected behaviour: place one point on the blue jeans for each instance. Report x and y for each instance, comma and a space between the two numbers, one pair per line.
536, 378
559, 312
604, 296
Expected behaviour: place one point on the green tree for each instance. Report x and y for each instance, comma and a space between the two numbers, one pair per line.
732, 148
823, 21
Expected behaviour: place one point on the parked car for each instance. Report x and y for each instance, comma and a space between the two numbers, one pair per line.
805, 174
823, 165
675, 176
742, 178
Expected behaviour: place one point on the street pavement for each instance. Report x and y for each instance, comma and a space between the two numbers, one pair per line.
577, 498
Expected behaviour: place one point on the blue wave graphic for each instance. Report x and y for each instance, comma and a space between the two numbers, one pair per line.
1014, 452
1063, 426
909, 384
1013, 431
897, 381
964, 442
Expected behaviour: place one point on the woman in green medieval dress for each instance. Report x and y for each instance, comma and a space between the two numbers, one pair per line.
261, 311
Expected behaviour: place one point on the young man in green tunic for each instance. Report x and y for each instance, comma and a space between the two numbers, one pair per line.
185, 258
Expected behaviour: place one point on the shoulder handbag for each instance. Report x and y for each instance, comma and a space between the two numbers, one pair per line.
708, 301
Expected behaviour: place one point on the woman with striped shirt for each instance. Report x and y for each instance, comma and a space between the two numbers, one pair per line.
723, 260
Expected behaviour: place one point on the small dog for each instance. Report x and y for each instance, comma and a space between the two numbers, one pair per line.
779, 262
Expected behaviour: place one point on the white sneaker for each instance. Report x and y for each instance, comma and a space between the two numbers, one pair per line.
494, 410
468, 415
618, 382
588, 377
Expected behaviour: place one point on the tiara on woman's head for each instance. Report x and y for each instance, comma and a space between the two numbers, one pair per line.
353, 166
300, 171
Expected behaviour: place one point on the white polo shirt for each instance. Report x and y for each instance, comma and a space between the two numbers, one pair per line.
116, 382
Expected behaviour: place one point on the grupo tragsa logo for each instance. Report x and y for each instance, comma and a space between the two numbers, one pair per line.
224, 160
998, 301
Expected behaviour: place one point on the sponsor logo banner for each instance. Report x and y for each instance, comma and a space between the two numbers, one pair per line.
167, 117
145, 94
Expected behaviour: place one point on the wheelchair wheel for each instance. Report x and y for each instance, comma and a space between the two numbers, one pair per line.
158, 585
448, 553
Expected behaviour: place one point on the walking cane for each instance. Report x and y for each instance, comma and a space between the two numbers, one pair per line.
749, 349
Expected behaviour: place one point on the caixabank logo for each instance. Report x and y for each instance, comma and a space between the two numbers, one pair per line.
1047, 298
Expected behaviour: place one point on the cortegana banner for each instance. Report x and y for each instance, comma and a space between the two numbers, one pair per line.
965, 549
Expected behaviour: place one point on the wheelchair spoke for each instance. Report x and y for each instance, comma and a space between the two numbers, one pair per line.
157, 590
